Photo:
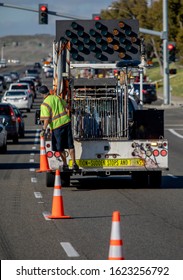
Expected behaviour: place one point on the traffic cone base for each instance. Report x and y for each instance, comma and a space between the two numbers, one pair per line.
57, 203
116, 243
43, 158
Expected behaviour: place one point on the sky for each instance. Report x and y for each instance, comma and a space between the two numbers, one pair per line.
21, 22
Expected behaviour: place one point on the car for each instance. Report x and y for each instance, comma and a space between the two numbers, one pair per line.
34, 73
1, 86
14, 75
3, 81
20, 119
149, 92
37, 65
22, 86
3, 135
30, 82
8, 78
20, 98
49, 73
7, 112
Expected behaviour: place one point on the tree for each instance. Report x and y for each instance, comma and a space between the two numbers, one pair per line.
151, 18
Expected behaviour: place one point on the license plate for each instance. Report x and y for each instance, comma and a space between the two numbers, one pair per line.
93, 163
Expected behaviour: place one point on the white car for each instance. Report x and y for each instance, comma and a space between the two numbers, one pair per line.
22, 86
22, 99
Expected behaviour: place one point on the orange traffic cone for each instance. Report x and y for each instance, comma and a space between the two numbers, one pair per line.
115, 249
57, 203
43, 158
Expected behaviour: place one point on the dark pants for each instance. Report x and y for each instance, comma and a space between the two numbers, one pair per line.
62, 138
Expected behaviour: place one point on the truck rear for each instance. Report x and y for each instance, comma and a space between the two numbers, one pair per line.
112, 135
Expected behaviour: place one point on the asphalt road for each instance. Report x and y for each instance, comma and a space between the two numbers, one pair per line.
151, 219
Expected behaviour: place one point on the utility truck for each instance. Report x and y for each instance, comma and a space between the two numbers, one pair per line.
112, 135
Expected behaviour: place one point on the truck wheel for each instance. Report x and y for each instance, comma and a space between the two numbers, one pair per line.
140, 179
155, 179
50, 179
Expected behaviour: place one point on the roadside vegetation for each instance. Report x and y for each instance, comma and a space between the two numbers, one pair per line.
176, 80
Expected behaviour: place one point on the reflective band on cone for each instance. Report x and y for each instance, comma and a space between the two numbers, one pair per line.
57, 203
43, 158
116, 243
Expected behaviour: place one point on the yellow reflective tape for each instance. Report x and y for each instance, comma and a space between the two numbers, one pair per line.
93, 163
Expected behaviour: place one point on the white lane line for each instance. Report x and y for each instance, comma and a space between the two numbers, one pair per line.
31, 160
46, 214
38, 195
33, 180
34, 148
171, 175
68, 248
175, 133
32, 169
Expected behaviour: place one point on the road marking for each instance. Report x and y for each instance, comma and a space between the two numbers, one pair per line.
68, 248
34, 148
46, 214
38, 195
33, 180
32, 169
31, 160
32, 154
175, 133
171, 175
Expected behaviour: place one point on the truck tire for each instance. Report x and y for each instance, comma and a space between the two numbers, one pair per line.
50, 180
155, 178
140, 179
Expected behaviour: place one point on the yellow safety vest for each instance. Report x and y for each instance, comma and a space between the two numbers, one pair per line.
53, 108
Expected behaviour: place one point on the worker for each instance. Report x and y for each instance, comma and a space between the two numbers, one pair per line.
54, 113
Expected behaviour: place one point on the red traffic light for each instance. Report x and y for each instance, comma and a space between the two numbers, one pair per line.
97, 18
43, 8
43, 14
170, 47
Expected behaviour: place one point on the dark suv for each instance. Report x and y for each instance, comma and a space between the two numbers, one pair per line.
12, 125
149, 92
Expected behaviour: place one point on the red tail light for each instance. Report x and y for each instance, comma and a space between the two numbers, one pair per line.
156, 153
163, 153
19, 119
49, 154
13, 118
57, 154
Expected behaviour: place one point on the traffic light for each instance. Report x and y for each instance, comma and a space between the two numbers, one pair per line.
96, 17
100, 40
43, 14
171, 51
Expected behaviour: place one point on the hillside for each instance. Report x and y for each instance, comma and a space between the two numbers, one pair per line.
27, 49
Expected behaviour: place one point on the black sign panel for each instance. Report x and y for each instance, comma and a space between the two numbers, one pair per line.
100, 40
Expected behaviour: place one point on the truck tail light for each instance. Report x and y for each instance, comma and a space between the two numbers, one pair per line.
49, 154
164, 153
156, 153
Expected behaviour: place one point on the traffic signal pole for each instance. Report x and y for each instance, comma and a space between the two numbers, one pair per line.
166, 88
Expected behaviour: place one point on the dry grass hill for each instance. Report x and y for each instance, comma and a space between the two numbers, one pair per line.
28, 48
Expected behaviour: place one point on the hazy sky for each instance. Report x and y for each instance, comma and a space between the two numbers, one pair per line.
20, 22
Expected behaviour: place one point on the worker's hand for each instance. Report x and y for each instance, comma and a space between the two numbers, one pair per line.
42, 133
